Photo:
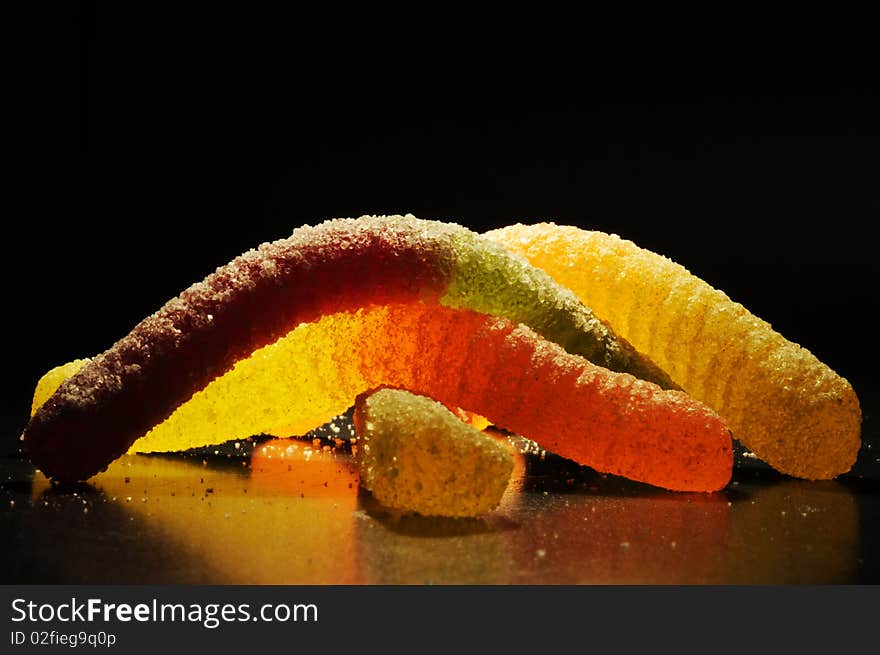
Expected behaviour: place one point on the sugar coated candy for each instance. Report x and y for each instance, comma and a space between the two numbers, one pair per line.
779, 400
487, 365
417, 456
262, 297
52, 379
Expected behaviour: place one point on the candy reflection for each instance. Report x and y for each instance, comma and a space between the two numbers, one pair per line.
577, 527
286, 518
292, 513
604, 530
413, 549
791, 531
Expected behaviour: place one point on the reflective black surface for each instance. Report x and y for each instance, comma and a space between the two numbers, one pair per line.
290, 512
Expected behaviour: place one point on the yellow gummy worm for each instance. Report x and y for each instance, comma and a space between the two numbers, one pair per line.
779, 400
284, 389
299, 380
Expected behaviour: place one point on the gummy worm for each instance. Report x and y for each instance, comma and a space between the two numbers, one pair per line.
611, 421
258, 298
779, 400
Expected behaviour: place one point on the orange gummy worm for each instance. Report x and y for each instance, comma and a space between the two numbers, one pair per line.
610, 421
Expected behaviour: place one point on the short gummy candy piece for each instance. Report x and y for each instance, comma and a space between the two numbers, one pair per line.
263, 295
416, 456
779, 400
487, 365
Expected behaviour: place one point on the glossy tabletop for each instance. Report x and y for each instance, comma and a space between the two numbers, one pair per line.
291, 512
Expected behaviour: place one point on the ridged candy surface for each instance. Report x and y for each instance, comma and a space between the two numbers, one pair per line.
779, 400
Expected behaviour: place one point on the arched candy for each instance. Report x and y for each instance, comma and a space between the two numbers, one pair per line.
779, 400
611, 421
266, 293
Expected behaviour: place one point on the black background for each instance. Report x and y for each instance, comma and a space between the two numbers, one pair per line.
149, 146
